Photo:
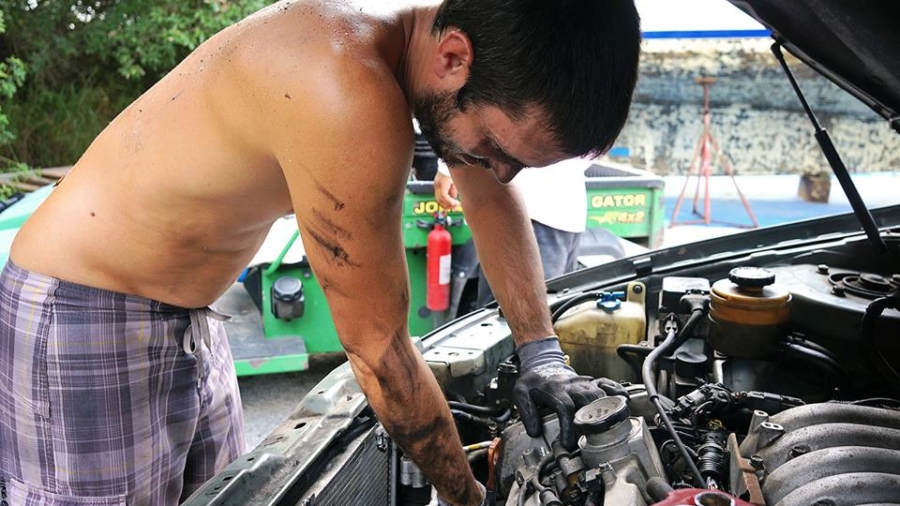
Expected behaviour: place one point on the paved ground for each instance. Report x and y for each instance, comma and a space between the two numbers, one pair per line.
773, 199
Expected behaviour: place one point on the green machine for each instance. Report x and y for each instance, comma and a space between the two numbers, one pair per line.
627, 202
291, 320
279, 313
294, 319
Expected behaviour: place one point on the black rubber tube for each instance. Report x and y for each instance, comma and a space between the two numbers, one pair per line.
627, 352
475, 409
658, 489
570, 302
820, 360
672, 341
867, 335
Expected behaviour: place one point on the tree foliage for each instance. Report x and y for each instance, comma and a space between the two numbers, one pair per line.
88, 59
12, 75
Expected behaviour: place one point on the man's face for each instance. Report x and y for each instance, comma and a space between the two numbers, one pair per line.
484, 136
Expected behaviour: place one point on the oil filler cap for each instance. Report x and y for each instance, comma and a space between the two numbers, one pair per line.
751, 277
601, 415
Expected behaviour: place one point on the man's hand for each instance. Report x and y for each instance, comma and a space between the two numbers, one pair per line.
545, 379
437, 501
445, 192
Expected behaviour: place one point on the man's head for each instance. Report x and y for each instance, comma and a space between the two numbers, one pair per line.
486, 136
570, 65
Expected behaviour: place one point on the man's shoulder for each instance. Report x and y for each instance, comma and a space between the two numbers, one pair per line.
281, 85
321, 60
345, 101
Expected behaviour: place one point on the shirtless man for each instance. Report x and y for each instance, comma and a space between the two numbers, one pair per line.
116, 382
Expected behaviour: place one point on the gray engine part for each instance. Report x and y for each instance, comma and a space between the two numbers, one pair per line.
836, 454
819, 310
611, 435
614, 445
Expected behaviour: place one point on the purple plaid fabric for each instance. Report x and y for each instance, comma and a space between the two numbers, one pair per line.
109, 399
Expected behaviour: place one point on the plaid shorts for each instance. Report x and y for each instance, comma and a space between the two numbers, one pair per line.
109, 399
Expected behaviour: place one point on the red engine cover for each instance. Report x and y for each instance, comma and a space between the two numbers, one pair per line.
700, 497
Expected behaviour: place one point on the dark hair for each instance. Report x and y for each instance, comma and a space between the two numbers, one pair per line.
577, 59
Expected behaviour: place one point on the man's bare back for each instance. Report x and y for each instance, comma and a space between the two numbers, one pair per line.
172, 200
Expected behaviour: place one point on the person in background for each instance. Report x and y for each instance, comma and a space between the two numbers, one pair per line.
556, 201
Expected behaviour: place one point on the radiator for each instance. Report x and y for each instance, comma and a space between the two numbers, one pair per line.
358, 476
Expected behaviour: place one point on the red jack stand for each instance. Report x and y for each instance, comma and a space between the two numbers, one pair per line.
704, 153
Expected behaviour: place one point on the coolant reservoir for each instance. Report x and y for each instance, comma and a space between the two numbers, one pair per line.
747, 312
590, 332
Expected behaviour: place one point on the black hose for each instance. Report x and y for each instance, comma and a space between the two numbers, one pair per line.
538, 486
637, 349
647, 369
535, 481
572, 301
820, 360
360, 425
503, 417
625, 352
469, 417
482, 420
673, 341
867, 334
816, 346
477, 455
658, 489
475, 409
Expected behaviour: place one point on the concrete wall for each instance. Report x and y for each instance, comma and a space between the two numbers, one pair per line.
756, 118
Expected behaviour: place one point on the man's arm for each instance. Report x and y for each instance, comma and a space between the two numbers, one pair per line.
507, 251
346, 172
509, 256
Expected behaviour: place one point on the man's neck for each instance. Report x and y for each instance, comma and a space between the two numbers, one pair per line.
416, 61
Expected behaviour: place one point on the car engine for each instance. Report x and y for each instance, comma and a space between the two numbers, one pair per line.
756, 370
773, 385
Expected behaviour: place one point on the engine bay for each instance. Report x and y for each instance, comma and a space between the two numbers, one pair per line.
760, 369
766, 383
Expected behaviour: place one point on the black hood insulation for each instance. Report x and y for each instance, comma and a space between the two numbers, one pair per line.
853, 43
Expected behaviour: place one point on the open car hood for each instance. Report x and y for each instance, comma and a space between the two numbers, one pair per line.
854, 44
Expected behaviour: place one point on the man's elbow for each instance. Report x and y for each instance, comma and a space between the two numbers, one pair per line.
392, 363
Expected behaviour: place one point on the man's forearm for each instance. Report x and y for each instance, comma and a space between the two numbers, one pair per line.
509, 255
507, 251
409, 403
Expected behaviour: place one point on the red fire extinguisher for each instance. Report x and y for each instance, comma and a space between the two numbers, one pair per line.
438, 270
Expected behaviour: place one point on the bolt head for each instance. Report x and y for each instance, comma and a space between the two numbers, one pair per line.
757, 462
798, 450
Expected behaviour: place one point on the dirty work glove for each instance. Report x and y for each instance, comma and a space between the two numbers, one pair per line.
441, 502
545, 379
611, 387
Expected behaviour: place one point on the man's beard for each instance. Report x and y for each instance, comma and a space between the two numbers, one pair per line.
434, 112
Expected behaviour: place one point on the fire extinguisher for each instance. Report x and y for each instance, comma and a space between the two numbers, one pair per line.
438, 269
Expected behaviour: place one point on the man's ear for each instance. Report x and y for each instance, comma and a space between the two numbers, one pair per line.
452, 57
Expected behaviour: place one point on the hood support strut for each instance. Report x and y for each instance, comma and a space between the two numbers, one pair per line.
834, 159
